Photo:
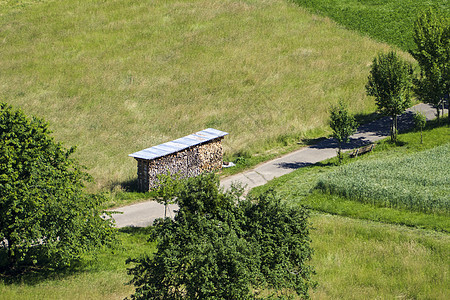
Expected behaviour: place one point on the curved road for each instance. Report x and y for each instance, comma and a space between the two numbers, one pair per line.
143, 214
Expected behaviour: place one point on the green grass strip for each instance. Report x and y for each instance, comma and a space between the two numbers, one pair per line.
384, 20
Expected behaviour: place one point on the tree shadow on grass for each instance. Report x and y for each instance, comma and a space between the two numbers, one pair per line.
328, 163
310, 142
364, 118
130, 185
432, 124
137, 230
32, 275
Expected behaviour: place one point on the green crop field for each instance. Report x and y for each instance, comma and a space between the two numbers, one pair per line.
419, 182
384, 20
114, 77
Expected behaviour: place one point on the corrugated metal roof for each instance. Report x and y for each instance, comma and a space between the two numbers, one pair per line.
179, 144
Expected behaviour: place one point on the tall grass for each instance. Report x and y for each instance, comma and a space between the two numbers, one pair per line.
356, 259
419, 182
114, 77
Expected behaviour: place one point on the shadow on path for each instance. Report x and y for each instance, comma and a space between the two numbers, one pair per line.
291, 165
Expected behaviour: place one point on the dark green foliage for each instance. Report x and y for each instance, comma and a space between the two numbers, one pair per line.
390, 82
46, 217
281, 237
221, 247
384, 20
432, 52
342, 124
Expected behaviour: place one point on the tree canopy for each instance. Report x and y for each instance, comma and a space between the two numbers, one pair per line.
219, 246
47, 218
432, 52
390, 82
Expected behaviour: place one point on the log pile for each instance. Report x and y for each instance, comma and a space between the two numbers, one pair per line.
193, 161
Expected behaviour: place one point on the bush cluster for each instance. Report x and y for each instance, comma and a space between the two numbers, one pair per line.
222, 247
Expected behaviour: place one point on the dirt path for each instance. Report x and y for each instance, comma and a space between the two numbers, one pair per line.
143, 214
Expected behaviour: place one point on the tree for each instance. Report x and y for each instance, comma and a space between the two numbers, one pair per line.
420, 121
47, 219
219, 246
390, 82
168, 187
342, 124
432, 39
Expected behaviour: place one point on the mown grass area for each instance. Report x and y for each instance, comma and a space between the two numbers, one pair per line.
99, 275
114, 77
354, 259
300, 185
384, 20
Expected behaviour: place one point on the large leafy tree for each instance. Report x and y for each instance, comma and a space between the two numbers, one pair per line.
46, 218
390, 82
343, 125
222, 247
432, 52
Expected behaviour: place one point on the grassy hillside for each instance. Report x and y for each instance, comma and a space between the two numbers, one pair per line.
114, 77
385, 20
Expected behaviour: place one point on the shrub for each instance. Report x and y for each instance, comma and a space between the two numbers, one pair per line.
221, 247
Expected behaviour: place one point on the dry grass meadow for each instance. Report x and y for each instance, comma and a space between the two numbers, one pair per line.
114, 77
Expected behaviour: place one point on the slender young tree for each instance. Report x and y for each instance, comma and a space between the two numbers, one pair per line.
432, 52
342, 124
169, 186
390, 82
420, 121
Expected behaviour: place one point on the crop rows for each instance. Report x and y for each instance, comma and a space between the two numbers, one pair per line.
418, 182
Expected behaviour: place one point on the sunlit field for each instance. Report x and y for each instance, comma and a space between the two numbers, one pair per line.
418, 182
354, 259
115, 77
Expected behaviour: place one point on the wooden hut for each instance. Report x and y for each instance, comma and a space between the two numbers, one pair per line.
188, 156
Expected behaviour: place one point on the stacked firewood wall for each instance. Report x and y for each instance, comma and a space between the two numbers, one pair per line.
189, 162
